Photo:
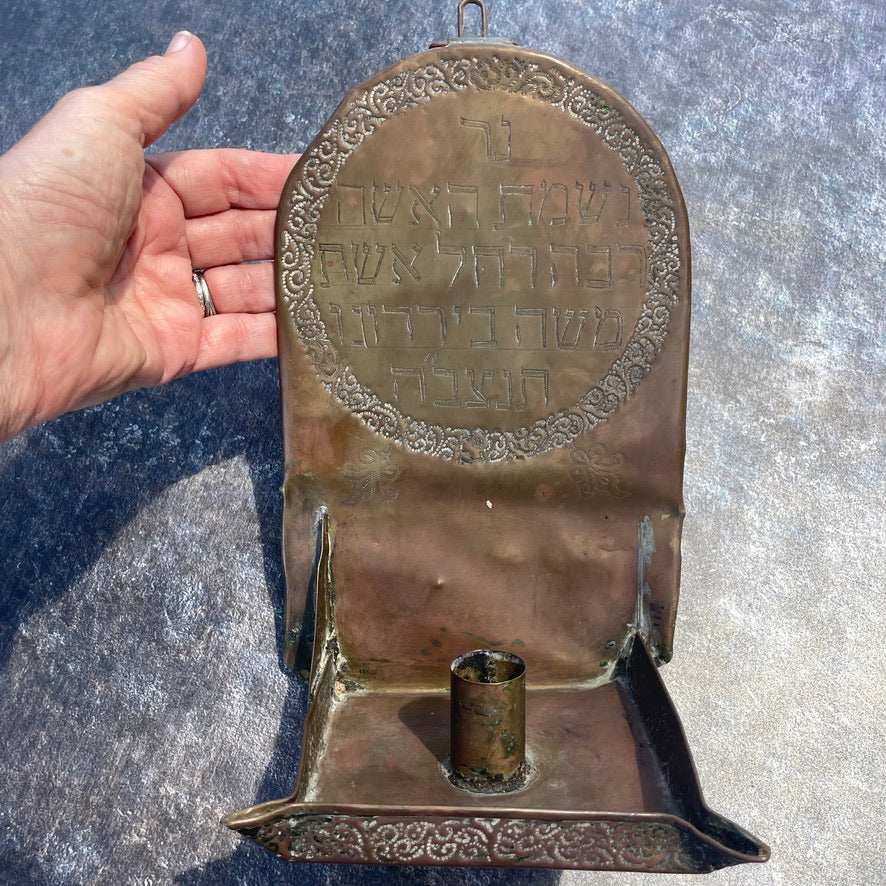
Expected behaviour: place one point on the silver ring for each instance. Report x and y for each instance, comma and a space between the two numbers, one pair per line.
203, 296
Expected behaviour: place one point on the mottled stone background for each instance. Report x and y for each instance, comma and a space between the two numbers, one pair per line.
141, 695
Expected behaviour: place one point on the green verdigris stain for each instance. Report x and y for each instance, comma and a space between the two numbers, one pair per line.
509, 743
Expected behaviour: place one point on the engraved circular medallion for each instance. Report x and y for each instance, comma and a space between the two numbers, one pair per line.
480, 253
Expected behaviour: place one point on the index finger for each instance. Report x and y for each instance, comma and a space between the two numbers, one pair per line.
215, 180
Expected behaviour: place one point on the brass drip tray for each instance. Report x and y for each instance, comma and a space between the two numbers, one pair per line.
617, 787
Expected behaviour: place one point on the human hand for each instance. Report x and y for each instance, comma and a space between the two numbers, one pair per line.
99, 241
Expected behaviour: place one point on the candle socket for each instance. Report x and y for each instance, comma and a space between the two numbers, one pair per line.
488, 721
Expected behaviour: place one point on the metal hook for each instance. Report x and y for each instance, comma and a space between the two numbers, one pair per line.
484, 18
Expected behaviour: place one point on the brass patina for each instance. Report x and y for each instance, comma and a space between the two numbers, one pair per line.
487, 722
483, 300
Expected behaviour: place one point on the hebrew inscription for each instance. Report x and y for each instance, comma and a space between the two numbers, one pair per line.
480, 262
486, 287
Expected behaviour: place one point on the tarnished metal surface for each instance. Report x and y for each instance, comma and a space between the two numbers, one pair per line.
480, 260
615, 787
140, 683
488, 721
483, 291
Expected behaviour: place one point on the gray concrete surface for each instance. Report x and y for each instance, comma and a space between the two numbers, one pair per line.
141, 695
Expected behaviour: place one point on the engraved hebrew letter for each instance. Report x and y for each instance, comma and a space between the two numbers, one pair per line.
506, 154
359, 342
614, 339
586, 212
554, 220
625, 220
336, 309
486, 342
601, 280
353, 208
378, 210
518, 191
363, 278
373, 312
486, 129
406, 311
542, 375
483, 126
453, 378
441, 313
331, 247
493, 252
542, 315
555, 273
531, 253
427, 204
509, 403
407, 265
640, 252
400, 372
473, 204
481, 401
446, 249
561, 336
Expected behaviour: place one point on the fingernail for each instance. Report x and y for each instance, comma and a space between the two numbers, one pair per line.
178, 42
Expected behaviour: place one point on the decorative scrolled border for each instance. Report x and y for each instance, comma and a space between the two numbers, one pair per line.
575, 845
369, 109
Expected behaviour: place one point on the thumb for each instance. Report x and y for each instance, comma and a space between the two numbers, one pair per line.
154, 93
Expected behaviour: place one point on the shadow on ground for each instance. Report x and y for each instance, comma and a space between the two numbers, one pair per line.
69, 487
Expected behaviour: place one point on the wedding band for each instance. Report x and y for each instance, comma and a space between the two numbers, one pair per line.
203, 296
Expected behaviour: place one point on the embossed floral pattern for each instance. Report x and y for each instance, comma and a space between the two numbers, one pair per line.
596, 469
372, 475
579, 845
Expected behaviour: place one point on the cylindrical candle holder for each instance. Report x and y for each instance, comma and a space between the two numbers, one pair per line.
488, 720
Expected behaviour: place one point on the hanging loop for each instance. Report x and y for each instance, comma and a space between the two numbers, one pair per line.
484, 18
